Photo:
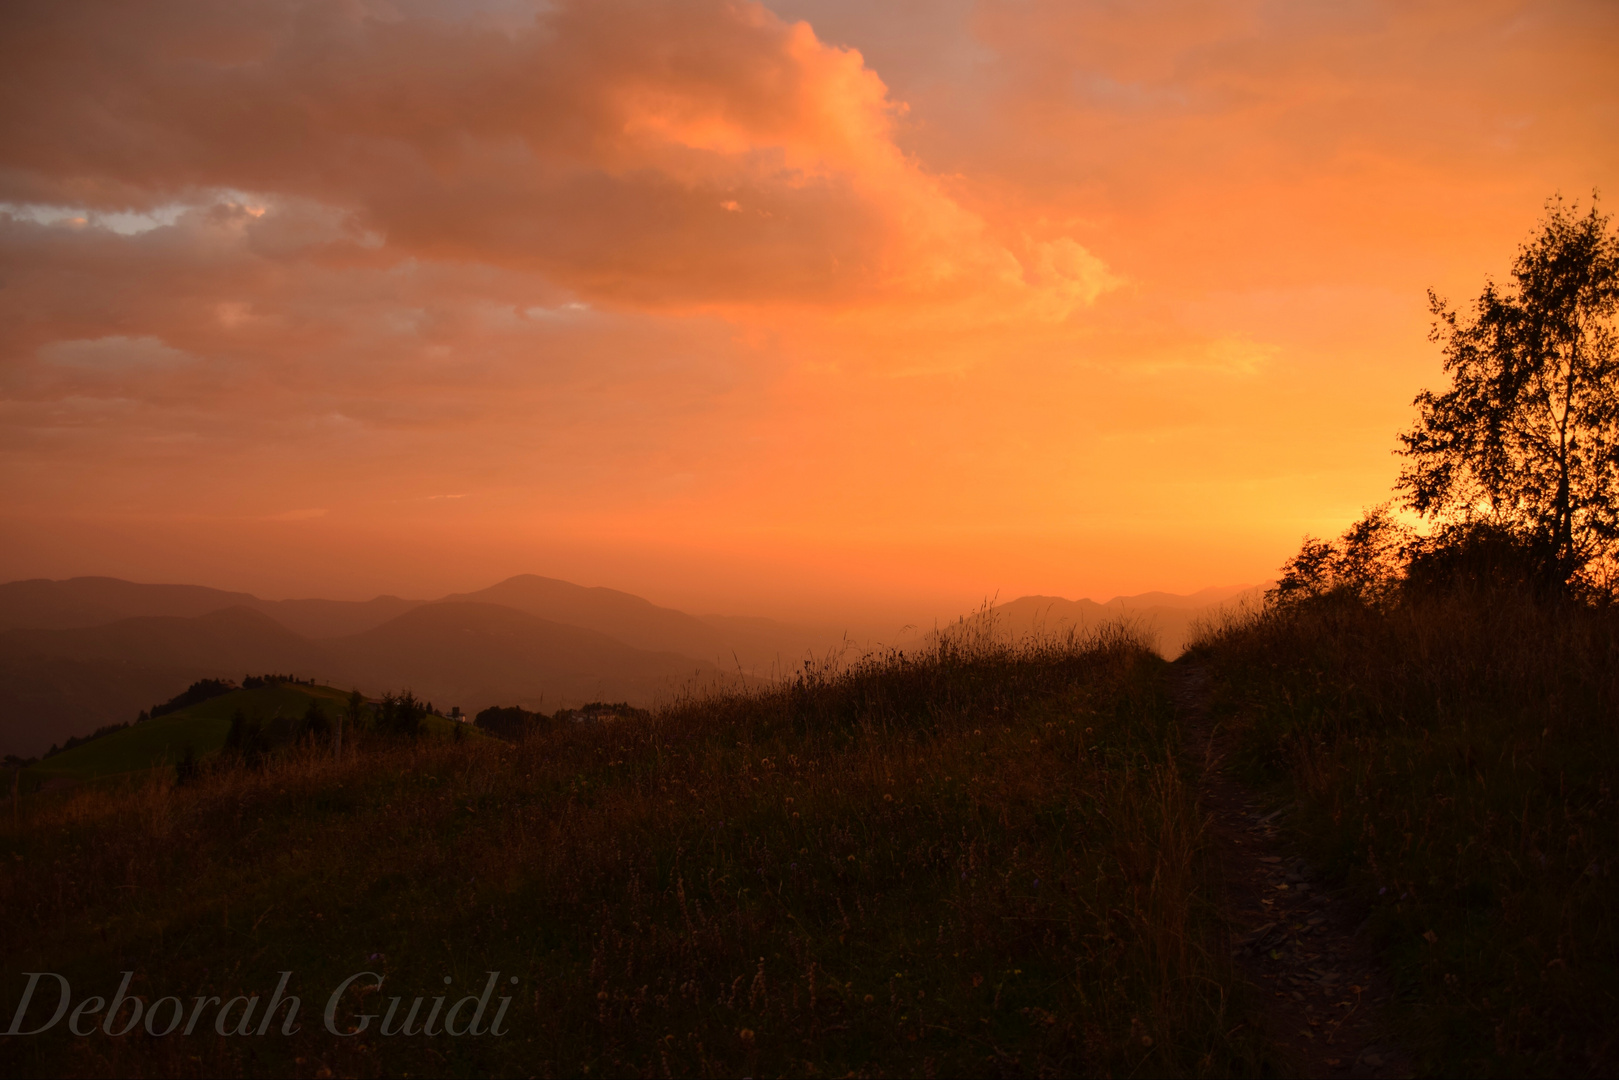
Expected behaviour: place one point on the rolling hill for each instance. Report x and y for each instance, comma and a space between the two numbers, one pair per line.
76, 603
758, 645
202, 728
59, 683
224, 642
322, 619
621, 615
755, 643
41, 604
479, 654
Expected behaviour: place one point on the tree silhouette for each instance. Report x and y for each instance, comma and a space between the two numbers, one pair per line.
354, 711
401, 714
187, 769
315, 723
1526, 440
1365, 563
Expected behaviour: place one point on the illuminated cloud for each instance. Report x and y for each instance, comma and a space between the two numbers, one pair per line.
672, 155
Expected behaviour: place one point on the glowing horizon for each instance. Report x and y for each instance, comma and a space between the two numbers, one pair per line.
795, 309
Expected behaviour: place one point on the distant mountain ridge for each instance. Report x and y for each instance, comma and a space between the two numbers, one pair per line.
621, 615
62, 682
42, 604
84, 652
74, 603
321, 619
1171, 618
228, 639
77, 603
476, 655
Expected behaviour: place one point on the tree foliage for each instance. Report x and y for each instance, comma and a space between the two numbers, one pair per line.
512, 722
400, 714
1526, 439
201, 690
316, 724
1365, 563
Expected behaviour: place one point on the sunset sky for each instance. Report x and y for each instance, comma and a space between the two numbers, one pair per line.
806, 309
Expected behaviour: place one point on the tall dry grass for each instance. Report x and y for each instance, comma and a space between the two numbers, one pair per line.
1453, 757
982, 858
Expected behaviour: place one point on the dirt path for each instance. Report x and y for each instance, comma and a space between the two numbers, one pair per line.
1321, 989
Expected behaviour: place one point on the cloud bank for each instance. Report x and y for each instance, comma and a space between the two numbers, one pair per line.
648, 154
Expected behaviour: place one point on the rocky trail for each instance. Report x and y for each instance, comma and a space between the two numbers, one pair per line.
1321, 988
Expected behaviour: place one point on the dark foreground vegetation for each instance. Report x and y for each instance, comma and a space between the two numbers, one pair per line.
979, 859
1441, 706
1452, 757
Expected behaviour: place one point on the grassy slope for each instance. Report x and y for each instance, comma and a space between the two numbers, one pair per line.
1452, 761
202, 726
948, 864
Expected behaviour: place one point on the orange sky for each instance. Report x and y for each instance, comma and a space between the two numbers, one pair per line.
810, 309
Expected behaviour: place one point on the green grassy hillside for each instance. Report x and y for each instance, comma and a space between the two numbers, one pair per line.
202, 727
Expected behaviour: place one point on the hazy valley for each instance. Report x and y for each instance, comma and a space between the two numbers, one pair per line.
78, 654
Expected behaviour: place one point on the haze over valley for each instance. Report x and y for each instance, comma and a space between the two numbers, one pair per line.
81, 653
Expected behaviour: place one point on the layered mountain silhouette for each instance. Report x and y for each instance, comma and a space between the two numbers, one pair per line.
1171, 618
81, 653
56, 683
223, 640
473, 655
40, 604
628, 618
318, 619
85, 652
93, 601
